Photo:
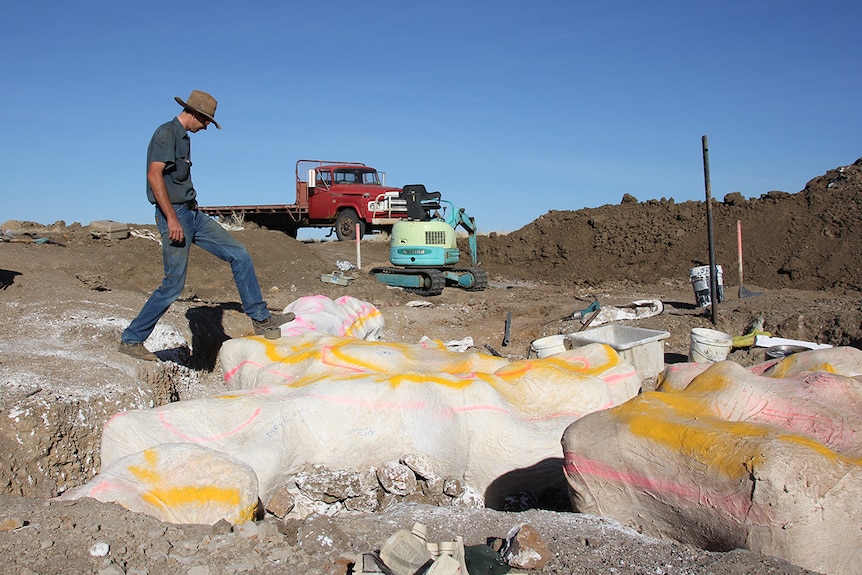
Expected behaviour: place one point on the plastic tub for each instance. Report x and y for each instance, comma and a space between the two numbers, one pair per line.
709, 345
643, 348
545, 346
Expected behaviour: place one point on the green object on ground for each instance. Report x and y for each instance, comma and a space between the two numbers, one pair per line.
482, 560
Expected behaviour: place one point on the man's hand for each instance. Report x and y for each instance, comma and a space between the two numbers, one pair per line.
175, 230
155, 176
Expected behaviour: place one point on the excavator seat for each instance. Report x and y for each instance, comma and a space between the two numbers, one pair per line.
420, 202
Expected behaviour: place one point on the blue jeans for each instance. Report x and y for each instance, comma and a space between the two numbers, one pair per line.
202, 230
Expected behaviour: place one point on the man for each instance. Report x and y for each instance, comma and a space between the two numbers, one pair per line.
181, 224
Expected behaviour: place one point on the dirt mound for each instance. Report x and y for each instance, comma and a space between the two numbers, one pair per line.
800, 240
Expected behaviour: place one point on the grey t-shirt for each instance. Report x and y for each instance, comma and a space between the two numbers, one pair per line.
170, 144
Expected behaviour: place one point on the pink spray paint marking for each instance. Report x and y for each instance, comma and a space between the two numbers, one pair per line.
105, 486
218, 437
283, 375
738, 506
298, 326
229, 374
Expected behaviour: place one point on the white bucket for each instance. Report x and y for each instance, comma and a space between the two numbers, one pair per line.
699, 277
550, 345
709, 345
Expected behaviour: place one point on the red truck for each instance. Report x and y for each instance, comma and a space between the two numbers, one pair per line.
329, 194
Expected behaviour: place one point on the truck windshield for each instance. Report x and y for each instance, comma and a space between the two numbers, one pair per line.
368, 177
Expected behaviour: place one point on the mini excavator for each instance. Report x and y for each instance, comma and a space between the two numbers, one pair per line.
425, 249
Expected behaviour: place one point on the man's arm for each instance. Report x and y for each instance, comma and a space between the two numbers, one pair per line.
155, 176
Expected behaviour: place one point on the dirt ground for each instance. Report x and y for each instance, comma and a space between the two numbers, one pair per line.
63, 304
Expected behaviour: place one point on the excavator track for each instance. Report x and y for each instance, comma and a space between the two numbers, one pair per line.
421, 281
479, 279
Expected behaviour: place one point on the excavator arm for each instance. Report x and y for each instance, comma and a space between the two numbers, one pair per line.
459, 217
468, 223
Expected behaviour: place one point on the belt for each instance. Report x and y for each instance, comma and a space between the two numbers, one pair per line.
191, 204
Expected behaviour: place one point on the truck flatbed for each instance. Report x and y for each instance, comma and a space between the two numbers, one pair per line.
258, 209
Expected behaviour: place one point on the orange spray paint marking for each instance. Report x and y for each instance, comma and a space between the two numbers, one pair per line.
580, 365
351, 326
789, 366
690, 426
297, 355
173, 497
421, 378
167, 497
346, 360
490, 379
147, 474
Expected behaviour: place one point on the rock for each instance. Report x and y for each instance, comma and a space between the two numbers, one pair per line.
222, 527
734, 199
11, 523
469, 498
322, 536
342, 564
432, 487
329, 486
452, 487
268, 531
366, 501
396, 478
246, 530
420, 464
100, 549
281, 502
111, 569
290, 529
527, 550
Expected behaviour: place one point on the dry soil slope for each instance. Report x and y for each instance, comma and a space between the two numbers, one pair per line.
804, 240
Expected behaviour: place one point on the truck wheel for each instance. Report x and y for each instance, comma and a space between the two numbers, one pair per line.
345, 225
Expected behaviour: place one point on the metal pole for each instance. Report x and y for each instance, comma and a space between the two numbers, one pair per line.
713, 280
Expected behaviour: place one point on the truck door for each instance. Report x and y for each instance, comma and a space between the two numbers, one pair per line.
320, 204
347, 190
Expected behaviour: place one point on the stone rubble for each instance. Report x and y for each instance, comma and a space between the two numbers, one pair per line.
333, 491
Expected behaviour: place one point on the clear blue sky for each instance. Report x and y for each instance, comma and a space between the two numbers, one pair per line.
510, 109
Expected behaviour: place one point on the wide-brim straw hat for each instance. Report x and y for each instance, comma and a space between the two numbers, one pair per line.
202, 103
